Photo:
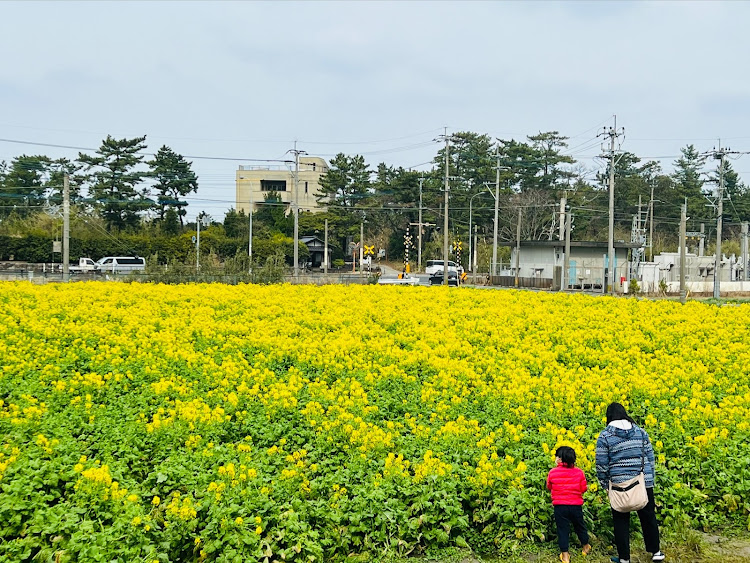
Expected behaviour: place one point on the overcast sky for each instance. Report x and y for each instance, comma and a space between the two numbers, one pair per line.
244, 80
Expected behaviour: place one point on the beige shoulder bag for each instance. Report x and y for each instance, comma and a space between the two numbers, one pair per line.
630, 495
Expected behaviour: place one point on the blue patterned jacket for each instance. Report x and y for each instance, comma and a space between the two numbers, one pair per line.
619, 455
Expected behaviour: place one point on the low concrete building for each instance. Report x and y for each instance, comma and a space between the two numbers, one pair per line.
541, 262
254, 183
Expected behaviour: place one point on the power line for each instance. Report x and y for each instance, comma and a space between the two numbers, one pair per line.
53, 145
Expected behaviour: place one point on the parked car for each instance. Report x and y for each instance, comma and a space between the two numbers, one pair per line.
407, 280
437, 278
433, 266
85, 265
121, 264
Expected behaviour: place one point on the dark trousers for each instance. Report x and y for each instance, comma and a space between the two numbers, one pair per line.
565, 515
650, 528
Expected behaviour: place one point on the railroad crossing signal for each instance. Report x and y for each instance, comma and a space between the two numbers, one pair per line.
407, 244
370, 250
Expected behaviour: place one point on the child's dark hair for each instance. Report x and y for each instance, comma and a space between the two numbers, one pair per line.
567, 455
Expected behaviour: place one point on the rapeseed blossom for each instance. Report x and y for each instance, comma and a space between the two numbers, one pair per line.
200, 411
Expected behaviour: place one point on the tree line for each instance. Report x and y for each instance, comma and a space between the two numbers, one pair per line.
533, 175
117, 189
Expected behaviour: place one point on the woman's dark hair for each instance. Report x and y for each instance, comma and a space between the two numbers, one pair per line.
615, 411
567, 455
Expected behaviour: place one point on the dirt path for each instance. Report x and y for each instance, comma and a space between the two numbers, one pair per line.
728, 547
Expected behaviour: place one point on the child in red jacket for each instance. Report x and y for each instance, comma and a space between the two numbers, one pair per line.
567, 484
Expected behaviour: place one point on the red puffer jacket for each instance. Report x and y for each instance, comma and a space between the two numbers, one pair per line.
567, 485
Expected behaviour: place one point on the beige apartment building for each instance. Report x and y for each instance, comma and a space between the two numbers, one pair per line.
254, 183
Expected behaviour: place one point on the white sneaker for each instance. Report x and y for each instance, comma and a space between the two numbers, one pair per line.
658, 556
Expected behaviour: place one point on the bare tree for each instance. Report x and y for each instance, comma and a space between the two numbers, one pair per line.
537, 215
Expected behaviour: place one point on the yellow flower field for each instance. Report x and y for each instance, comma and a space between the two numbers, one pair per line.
233, 423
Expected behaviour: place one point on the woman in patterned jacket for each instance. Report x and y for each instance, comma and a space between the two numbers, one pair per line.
622, 450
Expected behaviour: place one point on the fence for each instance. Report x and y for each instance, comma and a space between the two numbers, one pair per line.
579, 279
526, 283
38, 277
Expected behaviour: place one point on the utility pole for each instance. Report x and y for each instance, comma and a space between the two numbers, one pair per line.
563, 204
744, 250
295, 208
566, 259
651, 223
325, 249
612, 133
683, 229
66, 228
472, 226
296, 211
419, 233
497, 204
719, 220
445, 218
518, 245
611, 237
361, 246
250, 229
563, 231
198, 244
719, 154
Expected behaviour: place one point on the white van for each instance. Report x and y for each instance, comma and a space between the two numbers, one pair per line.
433, 266
120, 264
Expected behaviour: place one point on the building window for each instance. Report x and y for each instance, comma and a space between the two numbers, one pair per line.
313, 164
305, 187
273, 185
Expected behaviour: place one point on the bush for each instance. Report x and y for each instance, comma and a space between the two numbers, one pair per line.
634, 287
663, 286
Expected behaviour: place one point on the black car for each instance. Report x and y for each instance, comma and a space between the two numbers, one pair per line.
437, 278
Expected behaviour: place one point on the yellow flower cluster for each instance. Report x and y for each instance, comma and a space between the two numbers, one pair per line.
98, 480
281, 391
46, 444
181, 508
8, 455
430, 466
493, 470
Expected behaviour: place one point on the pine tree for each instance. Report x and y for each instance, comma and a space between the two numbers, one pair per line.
689, 183
174, 179
115, 179
346, 183
23, 185
548, 147
736, 194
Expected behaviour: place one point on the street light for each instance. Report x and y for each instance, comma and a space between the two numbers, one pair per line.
198, 222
